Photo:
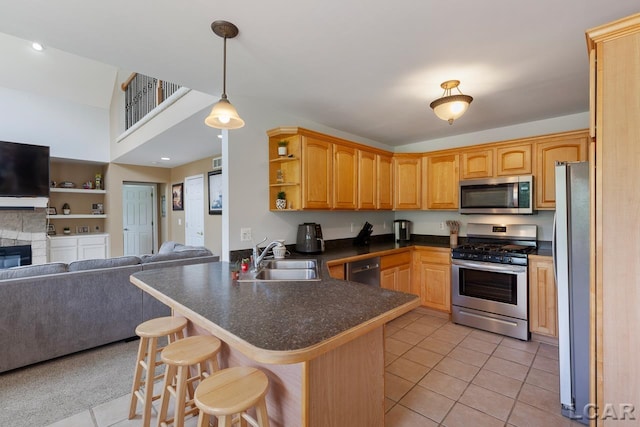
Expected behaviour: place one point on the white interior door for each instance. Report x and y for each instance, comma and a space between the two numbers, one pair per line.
194, 210
139, 218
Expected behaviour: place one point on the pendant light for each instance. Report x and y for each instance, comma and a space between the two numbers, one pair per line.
451, 107
224, 115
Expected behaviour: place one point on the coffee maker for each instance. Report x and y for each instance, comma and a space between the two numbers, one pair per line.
402, 230
309, 238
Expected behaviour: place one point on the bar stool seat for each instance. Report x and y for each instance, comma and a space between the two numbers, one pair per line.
232, 392
147, 360
200, 351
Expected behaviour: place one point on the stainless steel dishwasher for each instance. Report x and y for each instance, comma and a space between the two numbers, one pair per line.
365, 271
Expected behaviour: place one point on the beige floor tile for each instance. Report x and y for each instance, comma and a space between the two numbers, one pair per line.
528, 346
543, 379
540, 398
399, 416
395, 346
486, 336
421, 328
519, 356
389, 358
401, 322
461, 416
405, 368
409, 337
423, 356
498, 383
83, 419
507, 368
457, 369
449, 336
114, 411
487, 401
444, 384
469, 356
432, 321
395, 387
477, 344
546, 364
524, 415
548, 350
439, 346
428, 403
389, 330
388, 404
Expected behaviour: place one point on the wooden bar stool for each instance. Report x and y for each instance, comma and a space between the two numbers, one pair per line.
200, 351
149, 333
232, 391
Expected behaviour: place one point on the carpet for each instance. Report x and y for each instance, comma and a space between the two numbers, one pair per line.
41, 394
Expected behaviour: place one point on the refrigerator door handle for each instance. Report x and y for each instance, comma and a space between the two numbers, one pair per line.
554, 254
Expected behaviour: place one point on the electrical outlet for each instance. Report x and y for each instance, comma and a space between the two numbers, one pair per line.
442, 226
245, 234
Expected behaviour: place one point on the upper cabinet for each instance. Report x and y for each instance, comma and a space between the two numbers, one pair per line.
442, 181
477, 163
407, 178
345, 177
384, 175
367, 177
499, 160
567, 147
317, 165
513, 160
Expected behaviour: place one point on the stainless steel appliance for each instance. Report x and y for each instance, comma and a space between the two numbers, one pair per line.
489, 280
502, 195
365, 271
571, 265
402, 230
309, 239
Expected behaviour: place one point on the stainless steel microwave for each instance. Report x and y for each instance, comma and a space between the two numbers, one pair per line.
504, 195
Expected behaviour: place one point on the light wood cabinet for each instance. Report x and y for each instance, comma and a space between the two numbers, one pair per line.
407, 180
345, 177
543, 311
513, 160
336, 269
317, 166
442, 187
615, 203
395, 271
477, 164
78, 247
432, 277
285, 171
367, 180
569, 147
384, 196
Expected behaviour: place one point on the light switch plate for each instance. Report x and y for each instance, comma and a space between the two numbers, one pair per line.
245, 234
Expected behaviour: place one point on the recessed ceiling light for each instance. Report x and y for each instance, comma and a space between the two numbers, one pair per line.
37, 46
165, 158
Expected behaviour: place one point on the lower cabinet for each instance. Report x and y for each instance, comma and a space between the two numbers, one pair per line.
395, 271
73, 248
336, 269
432, 280
543, 313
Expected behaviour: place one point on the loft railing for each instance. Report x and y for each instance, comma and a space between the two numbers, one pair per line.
142, 94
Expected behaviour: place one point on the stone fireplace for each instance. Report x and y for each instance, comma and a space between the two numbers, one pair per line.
25, 227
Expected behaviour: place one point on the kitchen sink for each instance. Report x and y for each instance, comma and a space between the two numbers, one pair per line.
287, 274
285, 264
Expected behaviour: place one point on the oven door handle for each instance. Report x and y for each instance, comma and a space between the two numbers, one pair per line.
487, 266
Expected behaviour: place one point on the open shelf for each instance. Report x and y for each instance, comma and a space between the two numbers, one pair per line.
76, 190
76, 216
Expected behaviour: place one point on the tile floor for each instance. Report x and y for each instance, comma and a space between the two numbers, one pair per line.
437, 373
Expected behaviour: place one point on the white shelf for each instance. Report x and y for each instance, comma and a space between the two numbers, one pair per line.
76, 216
76, 190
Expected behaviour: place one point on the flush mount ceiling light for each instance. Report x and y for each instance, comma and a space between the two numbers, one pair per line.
223, 115
37, 46
451, 107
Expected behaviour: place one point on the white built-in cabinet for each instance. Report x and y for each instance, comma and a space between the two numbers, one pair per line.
78, 247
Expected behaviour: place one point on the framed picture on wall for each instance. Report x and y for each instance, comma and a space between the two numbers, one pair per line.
215, 192
176, 197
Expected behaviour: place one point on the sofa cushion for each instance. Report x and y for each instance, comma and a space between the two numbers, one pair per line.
92, 264
194, 253
33, 270
167, 247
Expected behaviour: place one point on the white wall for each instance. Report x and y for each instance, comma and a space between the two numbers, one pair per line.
72, 130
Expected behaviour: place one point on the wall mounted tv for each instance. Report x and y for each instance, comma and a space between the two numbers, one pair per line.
24, 170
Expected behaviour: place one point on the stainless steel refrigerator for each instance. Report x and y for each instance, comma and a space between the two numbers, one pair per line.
571, 264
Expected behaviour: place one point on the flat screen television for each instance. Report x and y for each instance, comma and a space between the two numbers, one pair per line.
24, 170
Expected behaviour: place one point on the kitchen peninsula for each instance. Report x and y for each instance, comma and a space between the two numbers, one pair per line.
320, 342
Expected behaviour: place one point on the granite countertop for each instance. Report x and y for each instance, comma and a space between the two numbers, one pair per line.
274, 322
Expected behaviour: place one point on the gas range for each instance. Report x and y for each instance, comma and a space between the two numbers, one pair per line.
498, 243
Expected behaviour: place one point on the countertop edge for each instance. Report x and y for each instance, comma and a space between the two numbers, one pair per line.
279, 357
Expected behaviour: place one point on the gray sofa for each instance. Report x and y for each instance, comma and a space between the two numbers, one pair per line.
55, 309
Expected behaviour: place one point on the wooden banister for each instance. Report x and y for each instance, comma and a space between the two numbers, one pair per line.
126, 83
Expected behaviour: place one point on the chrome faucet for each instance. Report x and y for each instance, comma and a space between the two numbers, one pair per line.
258, 257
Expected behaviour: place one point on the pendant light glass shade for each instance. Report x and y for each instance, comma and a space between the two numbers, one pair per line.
451, 107
223, 115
